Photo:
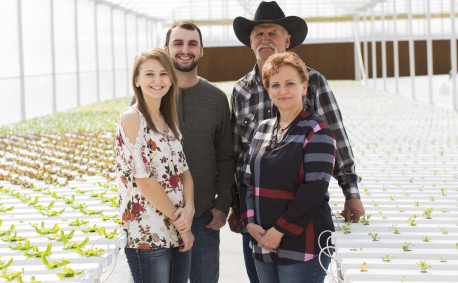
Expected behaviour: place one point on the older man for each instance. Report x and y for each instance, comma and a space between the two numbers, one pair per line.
271, 32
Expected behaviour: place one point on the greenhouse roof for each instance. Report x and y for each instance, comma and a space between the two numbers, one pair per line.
224, 11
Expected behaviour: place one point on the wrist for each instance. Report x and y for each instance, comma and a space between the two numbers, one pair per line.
190, 209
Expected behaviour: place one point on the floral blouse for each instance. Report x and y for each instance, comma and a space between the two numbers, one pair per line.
153, 155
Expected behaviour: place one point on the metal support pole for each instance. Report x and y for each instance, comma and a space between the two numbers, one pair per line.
366, 52
96, 34
136, 35
21, 59
356, 48
395, 49
53, 57
113, 65
429, 51
374, 49
453, 54
77, 55
126, 47
383, 46
411, 49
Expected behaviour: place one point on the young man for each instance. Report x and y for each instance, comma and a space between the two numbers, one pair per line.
269, 33
204, 117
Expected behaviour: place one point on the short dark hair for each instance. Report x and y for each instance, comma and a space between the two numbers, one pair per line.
183, 25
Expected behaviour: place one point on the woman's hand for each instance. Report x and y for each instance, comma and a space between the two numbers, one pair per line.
256, 231
188, 241
271, 240
182, 219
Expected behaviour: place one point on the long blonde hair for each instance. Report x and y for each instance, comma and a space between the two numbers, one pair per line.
168, 102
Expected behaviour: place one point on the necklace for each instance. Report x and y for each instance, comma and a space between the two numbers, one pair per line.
281, 131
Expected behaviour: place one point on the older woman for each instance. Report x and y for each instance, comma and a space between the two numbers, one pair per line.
156, 193
284, 197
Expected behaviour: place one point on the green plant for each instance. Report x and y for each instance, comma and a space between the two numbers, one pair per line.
416, 203
36, 253
443, 230
387, 258
399, 208
13, 275
14, 238
363, 267
53, 264
21, 247
383, 216
443, 192
365, 219
91, 229
425, 238
411, 220
90, 211
431, 198
4, 266
62, 236
442, 258
109, 235
392, 197
78, 222
427, 213
394, 228
346, 227
375, 236
43, 231
68, 245
406, 246
90, 252
423, 266
68, 273
375, 203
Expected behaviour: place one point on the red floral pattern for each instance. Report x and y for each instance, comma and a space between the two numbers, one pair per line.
156, 156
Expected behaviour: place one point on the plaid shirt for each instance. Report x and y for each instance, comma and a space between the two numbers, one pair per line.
273, 194
251, 104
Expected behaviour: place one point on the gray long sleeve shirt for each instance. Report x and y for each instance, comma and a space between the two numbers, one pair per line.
204, 117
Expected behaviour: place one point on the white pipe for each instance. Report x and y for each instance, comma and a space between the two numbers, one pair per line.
77, 56
453, 54
21, 59
395, 48
383, 46
429, 52
113, 65
359, 65
374, 50
355, 48
96, 34
411, 49
53, 57
366, 52
126, 54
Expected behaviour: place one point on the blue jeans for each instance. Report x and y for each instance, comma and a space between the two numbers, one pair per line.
303, 272
205, 251
161, 265
249, 260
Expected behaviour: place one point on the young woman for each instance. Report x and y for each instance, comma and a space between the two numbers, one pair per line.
156, 193
283, 193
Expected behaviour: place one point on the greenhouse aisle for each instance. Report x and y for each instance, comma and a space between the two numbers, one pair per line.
405, 151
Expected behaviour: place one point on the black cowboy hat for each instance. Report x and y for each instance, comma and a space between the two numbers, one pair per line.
271, 13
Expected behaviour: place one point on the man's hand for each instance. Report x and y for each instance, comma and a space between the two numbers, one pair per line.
271, 240
218, 221
234, 223
256, 231
353, 210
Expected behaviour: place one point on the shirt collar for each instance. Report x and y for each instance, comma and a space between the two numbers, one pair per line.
253, 77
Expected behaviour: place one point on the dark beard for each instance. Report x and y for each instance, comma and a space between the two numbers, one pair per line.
185, 69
